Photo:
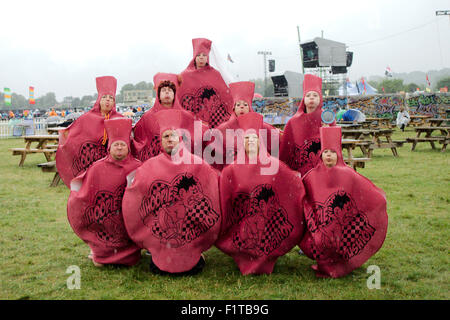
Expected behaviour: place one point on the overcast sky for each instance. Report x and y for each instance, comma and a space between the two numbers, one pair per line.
61, 46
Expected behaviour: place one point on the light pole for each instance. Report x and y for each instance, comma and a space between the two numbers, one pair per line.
265, 53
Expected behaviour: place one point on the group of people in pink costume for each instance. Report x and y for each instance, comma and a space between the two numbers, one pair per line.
201, 169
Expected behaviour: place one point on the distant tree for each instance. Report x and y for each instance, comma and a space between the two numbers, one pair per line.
412, 87
444, 82
128, 86
18, 101
259, 87
142, 86
391, 86
86, 101
76, 102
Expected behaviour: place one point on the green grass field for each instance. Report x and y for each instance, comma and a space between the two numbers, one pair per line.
38, 245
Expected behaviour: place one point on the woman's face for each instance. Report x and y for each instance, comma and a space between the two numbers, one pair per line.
106, 103
329, 158
118, 150
200, 60
312, 100
241, 107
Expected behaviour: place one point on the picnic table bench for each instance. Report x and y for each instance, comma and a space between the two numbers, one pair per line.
443, 139
418, 120
55, 130
49, 151
380, 138
350, 145
51, 167
379, 122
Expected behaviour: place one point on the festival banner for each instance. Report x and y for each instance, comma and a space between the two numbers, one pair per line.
31, 99
7, 94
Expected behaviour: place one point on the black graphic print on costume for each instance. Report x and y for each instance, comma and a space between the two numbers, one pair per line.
207, 105
88, 153
151, 150
305, 157
104, 218
338, 228
177, 212
263, 223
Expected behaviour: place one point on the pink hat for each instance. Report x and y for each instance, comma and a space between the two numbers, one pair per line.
160, 77
312, 83
331, 138
201, 45
106, 85
243, 90
119, 129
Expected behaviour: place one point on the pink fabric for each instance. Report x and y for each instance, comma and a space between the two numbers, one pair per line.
204, 92
80, 144
300, 145
147, 138
172, 209
262, 214
95, 211
119, 129
345, 214
239, 91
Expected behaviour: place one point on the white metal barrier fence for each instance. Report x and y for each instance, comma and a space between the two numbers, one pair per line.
20, 127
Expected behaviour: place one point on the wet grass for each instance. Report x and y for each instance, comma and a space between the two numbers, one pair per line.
38, 245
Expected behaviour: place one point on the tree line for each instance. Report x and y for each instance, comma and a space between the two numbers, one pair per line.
48, 101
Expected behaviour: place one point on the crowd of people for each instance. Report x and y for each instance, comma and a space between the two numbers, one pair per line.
202, 169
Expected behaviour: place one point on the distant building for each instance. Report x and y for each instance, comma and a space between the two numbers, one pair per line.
137, 97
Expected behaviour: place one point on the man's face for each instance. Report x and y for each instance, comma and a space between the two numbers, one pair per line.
241, 107
119, 150
106, 103
312, 100
169, 141
329, 158
200, 60
166, 95
251, 143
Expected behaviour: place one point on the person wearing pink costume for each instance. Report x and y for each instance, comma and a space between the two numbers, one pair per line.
242, 93
94, 208
300, 145
85, 140
261, 207
345, 213
204, 91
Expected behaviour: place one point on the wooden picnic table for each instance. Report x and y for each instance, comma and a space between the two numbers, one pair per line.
380, 122
435, 122
380, 138
350, 145
42, 147
51, 167
443, 139
55, 130
418, 120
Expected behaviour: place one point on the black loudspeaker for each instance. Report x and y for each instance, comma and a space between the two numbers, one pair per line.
337, 70
280, 86
271, 65
349, 58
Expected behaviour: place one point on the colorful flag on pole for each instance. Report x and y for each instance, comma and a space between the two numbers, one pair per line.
388, 72
229, 58
364, 84
428, 81
7, 95
31, 100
